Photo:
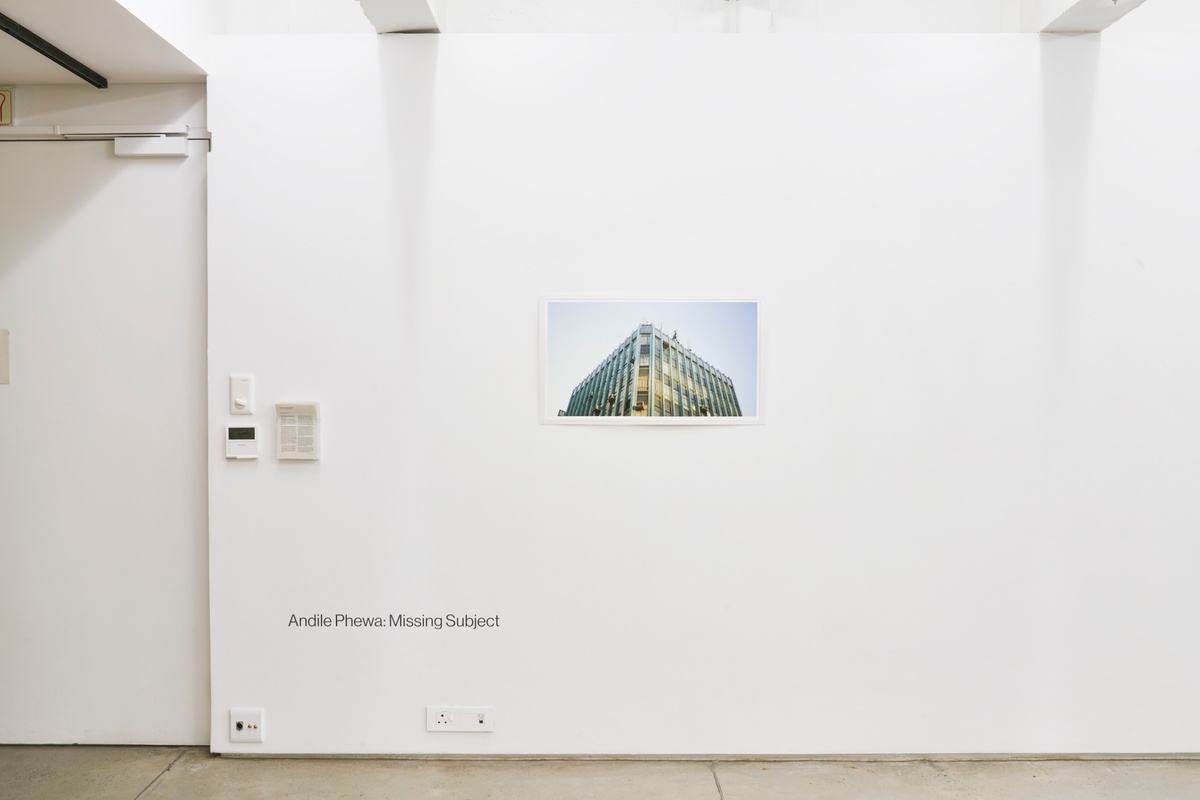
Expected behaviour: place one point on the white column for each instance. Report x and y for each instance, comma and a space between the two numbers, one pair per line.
401, 16
1076, 16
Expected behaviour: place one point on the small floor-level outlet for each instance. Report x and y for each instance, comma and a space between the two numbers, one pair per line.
479, 719
247, 725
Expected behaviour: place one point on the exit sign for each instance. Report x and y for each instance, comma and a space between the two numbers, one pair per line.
6, 103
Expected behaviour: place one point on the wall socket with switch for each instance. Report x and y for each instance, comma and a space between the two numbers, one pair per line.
477, 719
247, 725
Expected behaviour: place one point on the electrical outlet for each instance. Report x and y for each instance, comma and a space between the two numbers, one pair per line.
247, 725
480, 719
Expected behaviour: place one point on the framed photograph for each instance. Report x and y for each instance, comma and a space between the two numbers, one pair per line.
650, 362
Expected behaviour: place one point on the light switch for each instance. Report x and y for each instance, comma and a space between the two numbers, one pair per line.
241, 394
3, 357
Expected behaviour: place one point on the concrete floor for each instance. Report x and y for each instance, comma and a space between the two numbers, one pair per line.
158, 773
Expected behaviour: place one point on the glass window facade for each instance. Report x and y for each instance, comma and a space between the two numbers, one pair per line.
651, 374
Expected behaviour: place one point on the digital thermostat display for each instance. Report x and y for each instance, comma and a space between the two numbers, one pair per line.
241, 442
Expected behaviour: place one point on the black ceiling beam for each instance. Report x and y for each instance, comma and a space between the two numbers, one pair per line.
28, 37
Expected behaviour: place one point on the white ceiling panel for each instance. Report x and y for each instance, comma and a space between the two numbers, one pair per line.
99, 33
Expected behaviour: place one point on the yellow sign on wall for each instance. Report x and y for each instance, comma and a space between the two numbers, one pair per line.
6, 105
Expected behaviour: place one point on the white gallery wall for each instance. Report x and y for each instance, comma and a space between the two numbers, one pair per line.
969, 521
103, 529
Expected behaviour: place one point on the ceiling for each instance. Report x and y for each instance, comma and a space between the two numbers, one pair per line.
109, 39
99, 33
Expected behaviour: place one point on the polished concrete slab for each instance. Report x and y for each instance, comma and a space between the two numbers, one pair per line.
961, 780
96, 773
199, 775
172, 773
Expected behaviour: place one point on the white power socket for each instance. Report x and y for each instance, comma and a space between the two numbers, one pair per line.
247, 725
478, 719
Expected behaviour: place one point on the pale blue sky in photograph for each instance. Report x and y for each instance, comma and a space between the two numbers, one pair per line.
581, 334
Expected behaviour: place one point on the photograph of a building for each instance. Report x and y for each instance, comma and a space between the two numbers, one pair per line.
672, 361
651, 374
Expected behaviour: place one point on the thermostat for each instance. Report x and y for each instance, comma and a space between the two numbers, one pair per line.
241, 441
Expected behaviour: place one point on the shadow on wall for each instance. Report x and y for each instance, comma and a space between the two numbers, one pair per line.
408, 78
119, 104
69, 175
1069, 65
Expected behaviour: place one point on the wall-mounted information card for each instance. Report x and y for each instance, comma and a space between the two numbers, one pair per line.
298, 431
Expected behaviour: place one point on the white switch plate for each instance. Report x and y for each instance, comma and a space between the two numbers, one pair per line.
241, 394
247, 725
475, 719
3, 357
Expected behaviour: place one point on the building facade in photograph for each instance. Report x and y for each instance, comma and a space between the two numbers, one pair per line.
653, 375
